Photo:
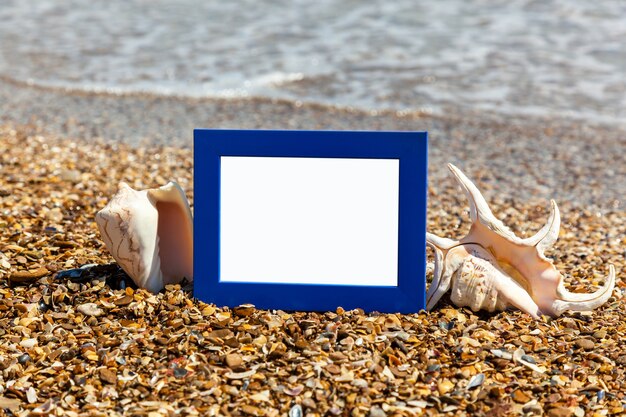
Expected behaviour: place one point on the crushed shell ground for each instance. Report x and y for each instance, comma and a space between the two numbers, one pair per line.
93, 348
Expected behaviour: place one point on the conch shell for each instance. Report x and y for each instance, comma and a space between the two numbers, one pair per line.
491, 268
150, 234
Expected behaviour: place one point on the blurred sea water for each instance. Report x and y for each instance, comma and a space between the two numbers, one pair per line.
551, 58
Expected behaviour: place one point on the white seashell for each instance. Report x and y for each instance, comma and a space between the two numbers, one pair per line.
478, 274
491, 268
90, 309
150, 234
29, 343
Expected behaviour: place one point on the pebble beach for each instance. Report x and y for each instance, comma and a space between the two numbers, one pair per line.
92, 344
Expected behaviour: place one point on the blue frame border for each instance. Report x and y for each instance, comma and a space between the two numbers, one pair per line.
411, 148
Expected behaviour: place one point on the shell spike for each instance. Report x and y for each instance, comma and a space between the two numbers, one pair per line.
599, 297
605, 291
479, 209
437, 286
440, 242
436, 273
545, 238
478, 204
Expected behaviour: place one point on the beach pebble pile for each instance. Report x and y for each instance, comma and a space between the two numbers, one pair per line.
76, 338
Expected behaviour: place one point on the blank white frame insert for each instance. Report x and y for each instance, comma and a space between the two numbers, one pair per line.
292, 220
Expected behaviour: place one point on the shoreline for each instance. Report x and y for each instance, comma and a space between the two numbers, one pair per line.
448, 113
527, 159
73, 96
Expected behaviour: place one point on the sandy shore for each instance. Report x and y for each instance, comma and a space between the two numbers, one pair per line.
85, 348
525, 158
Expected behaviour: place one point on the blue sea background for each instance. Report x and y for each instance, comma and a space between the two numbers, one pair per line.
523, 57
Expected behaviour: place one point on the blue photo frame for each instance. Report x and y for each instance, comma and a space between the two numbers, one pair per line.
409, 148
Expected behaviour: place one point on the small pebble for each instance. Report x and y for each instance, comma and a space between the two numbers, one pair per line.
600, 334
376, 411
31, 395
249, 361
234, 361
108, 375
29, 275
560, 412
296, 411
433, 368
90, 309
24, 358
502, 354
244, 310
585, 344
42, 306
28, 343
520, 396
476, 381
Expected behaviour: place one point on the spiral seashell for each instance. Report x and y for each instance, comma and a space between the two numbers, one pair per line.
491, 268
